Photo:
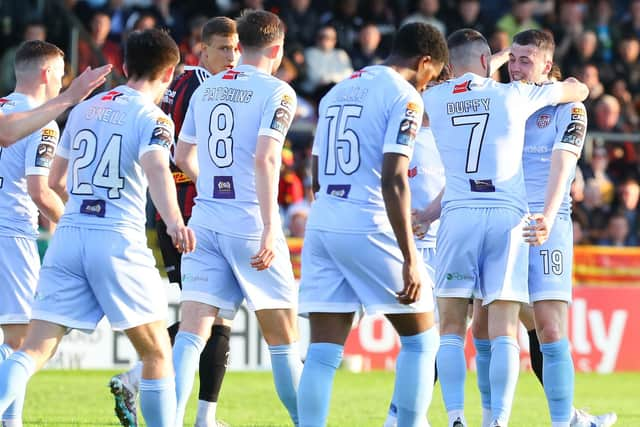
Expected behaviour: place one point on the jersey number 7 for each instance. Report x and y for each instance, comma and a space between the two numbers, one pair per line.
478, 124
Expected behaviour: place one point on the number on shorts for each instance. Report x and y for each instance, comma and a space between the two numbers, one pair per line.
551, 261
107, 173
220, 140
478, 123
343, 149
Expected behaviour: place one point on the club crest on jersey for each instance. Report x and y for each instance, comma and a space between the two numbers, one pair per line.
223, 187
462, 87
543, 120
93, 207
112, 95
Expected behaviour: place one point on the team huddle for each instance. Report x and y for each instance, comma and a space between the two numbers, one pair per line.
431, 180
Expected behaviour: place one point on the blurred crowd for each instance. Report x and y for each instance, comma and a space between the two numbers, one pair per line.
598, 41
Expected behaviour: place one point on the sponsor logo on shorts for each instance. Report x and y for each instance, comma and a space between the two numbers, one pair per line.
339, 190
459, 276
94, 207
223, 187
191, 277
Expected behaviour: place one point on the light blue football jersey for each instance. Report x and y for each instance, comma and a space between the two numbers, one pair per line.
479, 127
563, 127
426, 180
31, 155
375, 111
104, 139
226, 115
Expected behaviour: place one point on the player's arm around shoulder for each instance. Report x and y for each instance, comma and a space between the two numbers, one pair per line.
572, 90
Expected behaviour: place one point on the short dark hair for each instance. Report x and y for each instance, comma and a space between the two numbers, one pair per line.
419, 39
540, 39
464, 36
218, 26
149, 52
35, 51
259, 28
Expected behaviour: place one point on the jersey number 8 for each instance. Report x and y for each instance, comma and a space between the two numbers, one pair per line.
220, 140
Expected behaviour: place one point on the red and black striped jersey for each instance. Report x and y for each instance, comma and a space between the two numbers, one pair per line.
175, 103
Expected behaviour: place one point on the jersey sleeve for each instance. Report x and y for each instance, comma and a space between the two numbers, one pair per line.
156, 132
278, 113
538, 95
188, 130
571, 127
403, 124
64, 146
41, 149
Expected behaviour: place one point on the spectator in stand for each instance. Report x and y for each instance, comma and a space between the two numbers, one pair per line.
326, 64
498, 42
626, 65
118, 13
381, 14
594, 210
569, 27
366, 50
519, 19
426, 13
617, 232
346, 22
597, 175
579, 231
627, 204
191, 45
32, 31
169, 16
468, 15
111, 52
632, 23
605, 29
290, 189
590, 76
302, 22
629, 112
606, 115
583, 52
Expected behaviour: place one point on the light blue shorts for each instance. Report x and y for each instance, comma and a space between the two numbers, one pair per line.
344, 273
482, 254
550, 264
219, 273
87, 274
19, 266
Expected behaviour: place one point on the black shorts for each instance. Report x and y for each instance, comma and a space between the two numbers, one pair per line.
170, 254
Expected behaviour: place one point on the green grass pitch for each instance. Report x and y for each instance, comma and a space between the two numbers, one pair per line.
81, 398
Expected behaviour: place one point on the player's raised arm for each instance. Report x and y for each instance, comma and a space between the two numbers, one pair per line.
18, 125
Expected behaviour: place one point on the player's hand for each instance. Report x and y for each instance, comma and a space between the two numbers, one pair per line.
419, 223
183, 237
264, 258
412, 284
536, 232
86, 82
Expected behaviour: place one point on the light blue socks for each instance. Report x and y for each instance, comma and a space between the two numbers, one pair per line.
15, 373
186, 357
503, 374
316, 382
158, 401
558, 378
452, 371
287, 368
414, 376
483, 360
14, 411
